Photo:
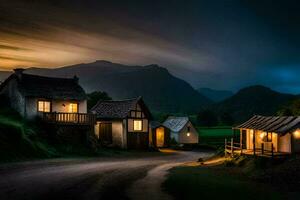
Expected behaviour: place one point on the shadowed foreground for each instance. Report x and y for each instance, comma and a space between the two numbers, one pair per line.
114, 178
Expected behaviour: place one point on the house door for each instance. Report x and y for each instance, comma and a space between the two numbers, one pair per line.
160, 139
244, 139
105, 133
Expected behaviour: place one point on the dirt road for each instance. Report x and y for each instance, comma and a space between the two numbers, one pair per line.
109, 178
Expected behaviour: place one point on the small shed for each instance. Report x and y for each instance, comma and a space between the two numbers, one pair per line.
182, 130
159, 135
270, 133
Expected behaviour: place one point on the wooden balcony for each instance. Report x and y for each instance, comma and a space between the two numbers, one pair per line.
69, 118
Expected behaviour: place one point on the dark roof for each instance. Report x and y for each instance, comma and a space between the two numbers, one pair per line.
118, 109
156, 124
48, 87
280, 125
176, 124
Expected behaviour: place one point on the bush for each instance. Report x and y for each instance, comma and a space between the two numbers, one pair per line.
207, 118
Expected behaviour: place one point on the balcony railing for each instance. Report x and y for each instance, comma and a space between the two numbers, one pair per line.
69, 118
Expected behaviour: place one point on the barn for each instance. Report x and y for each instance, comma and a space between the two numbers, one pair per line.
123, 124
182, 130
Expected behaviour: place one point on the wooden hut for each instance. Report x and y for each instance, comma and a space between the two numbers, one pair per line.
123, 124
159, 135
182, 130
270, 135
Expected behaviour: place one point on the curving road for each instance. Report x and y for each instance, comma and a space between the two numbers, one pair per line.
106, 178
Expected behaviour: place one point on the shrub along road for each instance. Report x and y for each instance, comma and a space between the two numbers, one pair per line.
101, 178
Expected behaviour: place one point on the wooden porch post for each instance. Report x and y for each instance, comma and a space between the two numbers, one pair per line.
225, 147
241, 141
262, 148
272, 149
231, 146
254, 143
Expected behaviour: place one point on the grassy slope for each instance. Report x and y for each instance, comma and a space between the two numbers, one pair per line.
239, 178
19, 140
215, 183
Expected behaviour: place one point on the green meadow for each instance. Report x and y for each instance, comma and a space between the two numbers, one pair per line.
215, 135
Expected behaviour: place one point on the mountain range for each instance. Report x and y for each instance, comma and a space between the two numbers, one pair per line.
215, 95
253, 100
162, 91
166, 93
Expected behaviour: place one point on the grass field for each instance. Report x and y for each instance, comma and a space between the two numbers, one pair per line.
213, 183
214, 135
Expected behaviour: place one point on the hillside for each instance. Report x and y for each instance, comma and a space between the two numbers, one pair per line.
215, 95
253, 100
162, 91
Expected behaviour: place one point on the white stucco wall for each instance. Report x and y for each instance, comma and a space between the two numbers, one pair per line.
31, 108
63, 106
119, 138
117, 133
184, 138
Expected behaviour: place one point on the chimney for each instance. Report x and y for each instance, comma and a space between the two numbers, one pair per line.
76, 79
19, 72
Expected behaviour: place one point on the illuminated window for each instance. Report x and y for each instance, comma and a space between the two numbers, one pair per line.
137, 125
73, 108
44, 106
266, 137
269, 137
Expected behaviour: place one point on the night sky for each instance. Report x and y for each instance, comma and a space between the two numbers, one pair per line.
220, 44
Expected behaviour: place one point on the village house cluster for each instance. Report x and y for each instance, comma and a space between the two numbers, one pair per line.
126, 124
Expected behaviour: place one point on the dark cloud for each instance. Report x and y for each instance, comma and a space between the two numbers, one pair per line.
219, 44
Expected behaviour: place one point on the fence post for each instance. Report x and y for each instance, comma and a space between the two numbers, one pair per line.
231, 146
225, 148
262, 148
272, 149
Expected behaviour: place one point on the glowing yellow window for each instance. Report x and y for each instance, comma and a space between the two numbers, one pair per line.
137, 125
73, 108
44, 106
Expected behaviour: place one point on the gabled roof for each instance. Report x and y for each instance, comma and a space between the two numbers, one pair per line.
119, 109
47, 87
176, 124
280, 125
156, 124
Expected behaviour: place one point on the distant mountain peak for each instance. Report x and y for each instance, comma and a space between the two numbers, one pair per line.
256, 87
102, 61
253, 100
162, 91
